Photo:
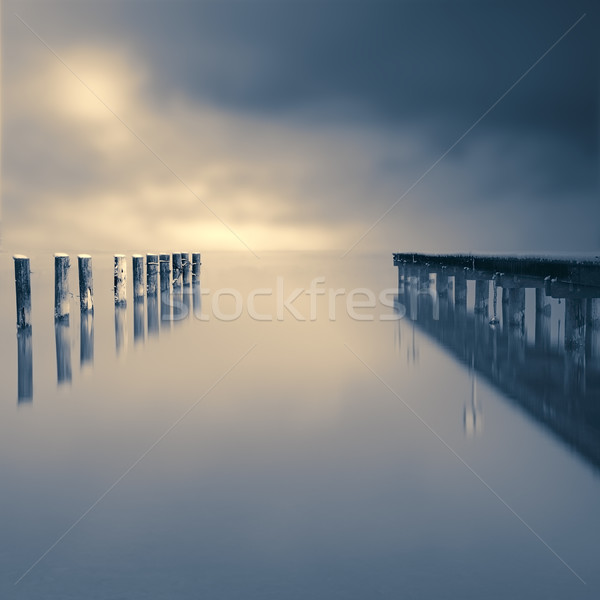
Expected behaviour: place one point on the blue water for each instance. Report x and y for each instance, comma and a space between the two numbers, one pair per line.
241, 457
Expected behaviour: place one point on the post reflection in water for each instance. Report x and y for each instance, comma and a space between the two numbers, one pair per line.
558, 385
139, 332
86, 339
24, 365
63, 350
165, 309
120, 328
197, 300
177, 304
152, 308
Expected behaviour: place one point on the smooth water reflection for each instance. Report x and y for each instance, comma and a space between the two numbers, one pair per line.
285, 466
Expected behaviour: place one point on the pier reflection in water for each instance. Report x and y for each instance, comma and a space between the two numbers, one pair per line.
557, 382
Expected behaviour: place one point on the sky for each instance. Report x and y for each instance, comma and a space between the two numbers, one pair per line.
258, 125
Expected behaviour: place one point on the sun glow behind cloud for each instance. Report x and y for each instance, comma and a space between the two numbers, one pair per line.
314, 176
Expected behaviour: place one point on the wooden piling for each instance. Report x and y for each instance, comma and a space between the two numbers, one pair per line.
86, 285
196, 262
177, 275
151, 274
62, 301
23, 290
120, 287
137, 263
165, 272
482, 295
186, 267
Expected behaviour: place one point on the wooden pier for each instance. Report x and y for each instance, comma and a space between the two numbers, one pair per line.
558, 384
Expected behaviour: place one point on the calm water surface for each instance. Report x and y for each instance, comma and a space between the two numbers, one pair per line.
227, 458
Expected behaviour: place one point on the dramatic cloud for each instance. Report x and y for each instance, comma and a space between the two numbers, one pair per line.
298, 124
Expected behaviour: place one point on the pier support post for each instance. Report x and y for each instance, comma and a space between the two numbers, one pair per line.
61, 286
86, 285
23, 290
165, 272
196, 262
574, 323
137, 263
186, 267
120, 287
482, 295
177, 276
516, 307
460, 289
441, 282
575, 326
542, 319
593, 326
151, 274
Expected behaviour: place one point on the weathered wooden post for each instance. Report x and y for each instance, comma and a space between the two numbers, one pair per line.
137, 263
482, 294
23, 290
61, 286
186, 267
542, 319
138, 319
63, 350
196, 262
177, 269
86, 285
86, 338
151, 274
165, 272
24, 365
120, 279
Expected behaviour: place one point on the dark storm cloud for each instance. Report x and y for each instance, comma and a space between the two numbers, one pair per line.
391, 61
335, 108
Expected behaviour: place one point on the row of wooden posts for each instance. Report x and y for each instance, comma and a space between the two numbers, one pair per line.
162, 271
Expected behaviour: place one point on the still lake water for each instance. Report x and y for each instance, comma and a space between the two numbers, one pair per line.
226, 458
